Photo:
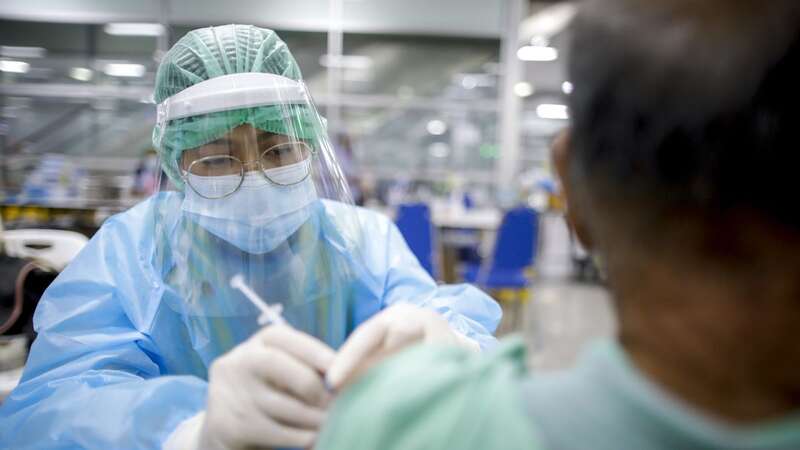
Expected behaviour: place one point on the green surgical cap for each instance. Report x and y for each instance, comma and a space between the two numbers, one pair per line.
211, 52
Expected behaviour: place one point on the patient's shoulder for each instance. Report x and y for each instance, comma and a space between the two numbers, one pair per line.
432, 397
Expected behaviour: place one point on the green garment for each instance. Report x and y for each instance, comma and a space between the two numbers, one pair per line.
435, 398
605, 403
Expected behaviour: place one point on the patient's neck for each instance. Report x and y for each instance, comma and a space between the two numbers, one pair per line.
727, 344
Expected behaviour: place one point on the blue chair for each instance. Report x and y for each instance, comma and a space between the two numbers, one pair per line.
514, 253
414, 222
467, 201
505, 272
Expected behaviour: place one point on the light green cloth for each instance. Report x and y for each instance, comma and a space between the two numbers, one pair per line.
211, 52
606, 403
435, 398
444, 398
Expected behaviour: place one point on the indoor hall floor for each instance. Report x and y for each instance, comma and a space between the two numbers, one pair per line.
561, 318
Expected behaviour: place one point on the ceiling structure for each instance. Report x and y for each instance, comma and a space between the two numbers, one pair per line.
428, 61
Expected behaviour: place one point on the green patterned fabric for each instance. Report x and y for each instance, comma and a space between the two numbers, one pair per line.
211, 52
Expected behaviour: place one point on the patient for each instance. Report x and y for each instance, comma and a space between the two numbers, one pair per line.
681, 174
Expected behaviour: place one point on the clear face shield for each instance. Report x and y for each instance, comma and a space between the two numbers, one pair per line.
254, 193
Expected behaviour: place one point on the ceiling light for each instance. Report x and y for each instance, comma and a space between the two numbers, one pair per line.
437, 127
80, 73
523, 89
469, 82
567, 87
537, 53
550, 111
124, 70
356, 62
473, 80
439, 150
549, 21
14, 66
11, 51
134, 29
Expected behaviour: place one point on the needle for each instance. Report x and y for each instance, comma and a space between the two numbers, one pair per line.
269, 314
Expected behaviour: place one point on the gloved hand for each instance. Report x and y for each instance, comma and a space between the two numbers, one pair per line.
266, 392
387, 332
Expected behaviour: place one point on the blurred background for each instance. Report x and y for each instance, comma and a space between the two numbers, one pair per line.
441, 112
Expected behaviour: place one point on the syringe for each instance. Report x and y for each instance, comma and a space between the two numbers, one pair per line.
270, 315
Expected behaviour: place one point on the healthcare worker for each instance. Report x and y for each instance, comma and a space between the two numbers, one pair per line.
144, 342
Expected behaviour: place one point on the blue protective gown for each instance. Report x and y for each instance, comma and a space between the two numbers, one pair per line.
113, 367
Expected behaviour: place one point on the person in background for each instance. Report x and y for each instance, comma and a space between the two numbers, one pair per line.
165, 332
147, 175
680, 173
346, 158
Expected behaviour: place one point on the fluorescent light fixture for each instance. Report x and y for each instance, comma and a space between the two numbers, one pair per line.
469, 82
10, 51
537, 53
523, 89
356, 62
551, 111
134, 29
80, 73
14, 66
124, 70
567, 87
473, 80
437, 127
439, 150
549, 21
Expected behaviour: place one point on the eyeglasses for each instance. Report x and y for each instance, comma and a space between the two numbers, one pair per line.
218, 176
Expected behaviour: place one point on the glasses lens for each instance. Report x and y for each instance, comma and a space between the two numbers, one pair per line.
215, 166
284, 154
215, 176
281, 163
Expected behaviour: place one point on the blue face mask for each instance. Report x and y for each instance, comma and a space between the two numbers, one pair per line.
260, 215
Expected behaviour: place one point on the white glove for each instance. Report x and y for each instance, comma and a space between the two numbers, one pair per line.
387, 332
266, 392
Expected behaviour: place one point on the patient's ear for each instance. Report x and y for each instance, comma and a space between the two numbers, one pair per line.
560, 154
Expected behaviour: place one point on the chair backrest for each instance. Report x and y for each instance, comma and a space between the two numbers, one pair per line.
414, 222
468, 201
517, 239
53, 248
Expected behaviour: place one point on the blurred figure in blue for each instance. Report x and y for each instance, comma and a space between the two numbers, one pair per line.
147, 175
347, 160
680, 172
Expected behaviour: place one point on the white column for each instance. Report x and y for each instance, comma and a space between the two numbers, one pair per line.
162, 42
335, 50
510, 104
